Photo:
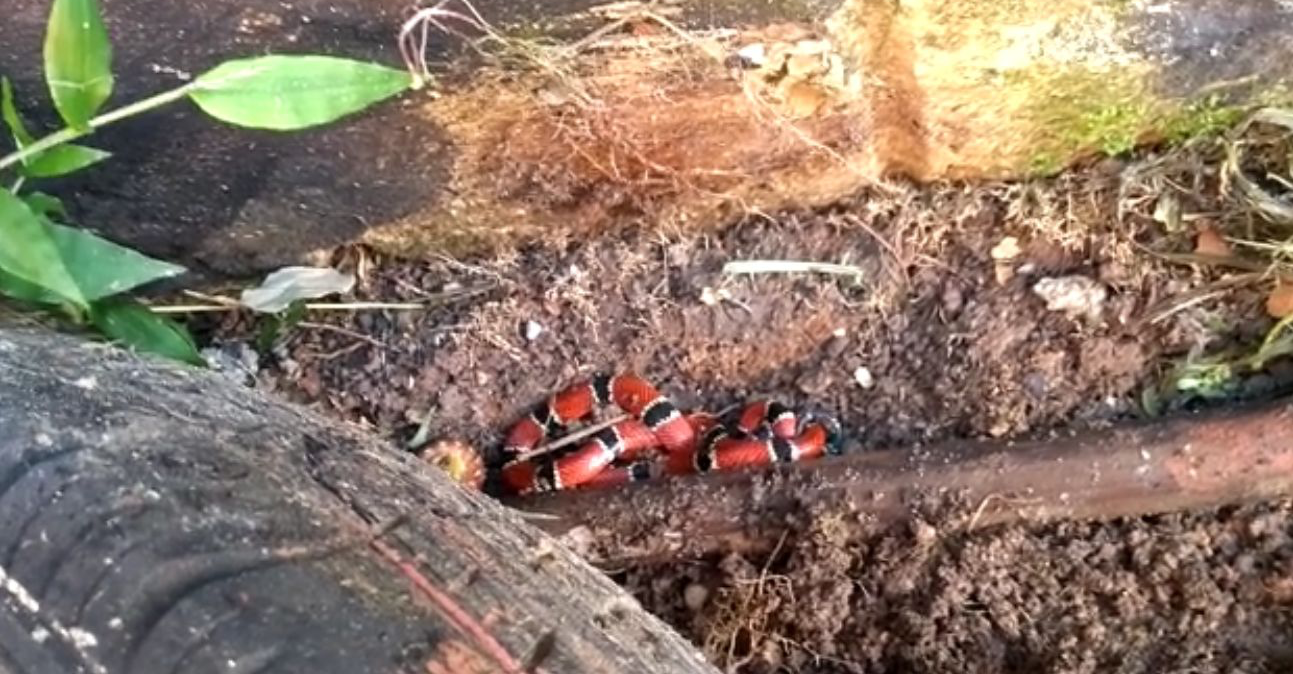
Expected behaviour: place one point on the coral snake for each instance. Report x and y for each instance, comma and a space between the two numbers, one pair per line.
761, 434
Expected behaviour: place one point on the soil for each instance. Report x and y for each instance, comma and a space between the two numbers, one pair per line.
928, 340
1201, 592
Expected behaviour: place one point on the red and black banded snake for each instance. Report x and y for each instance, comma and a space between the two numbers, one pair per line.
762, 434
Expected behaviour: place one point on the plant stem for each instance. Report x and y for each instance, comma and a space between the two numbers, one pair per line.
311, 306
69, 133
789, 267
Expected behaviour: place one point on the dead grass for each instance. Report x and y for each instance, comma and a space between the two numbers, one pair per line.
1237, 187
640, 121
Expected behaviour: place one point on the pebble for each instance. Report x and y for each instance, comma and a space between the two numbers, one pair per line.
1004, 255
695, 595
953, 300
1074, 295
863, 377
532, 330
237, 361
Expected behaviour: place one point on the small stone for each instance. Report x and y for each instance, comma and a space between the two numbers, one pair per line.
1007, 250
753, 55
1004, 255
532, 330
709, 297
1074, 295
923, 532
695, 595
953, 300
999, 429
863, 377
815, 382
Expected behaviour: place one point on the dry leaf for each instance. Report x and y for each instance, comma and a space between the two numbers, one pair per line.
1210, 242
290, 284
1280, 302
459, 460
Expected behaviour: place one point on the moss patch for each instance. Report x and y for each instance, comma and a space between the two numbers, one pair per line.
1081, 113
1077, 112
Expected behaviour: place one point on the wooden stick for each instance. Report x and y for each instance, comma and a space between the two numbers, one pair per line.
570, 439
1185, 463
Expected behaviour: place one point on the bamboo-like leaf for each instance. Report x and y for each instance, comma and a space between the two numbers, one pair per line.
28, 253
68, 264
78, 60
9, 112
63, 159
283, 92
135, 325
101, 268
45, 205
56, 161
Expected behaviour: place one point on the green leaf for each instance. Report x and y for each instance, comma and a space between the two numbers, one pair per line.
26, 291
275, 325
135, 325
63, 159
56, 161
10, 114
30, 254
67, 264
45, 205
102, 268
293, 92
78, 60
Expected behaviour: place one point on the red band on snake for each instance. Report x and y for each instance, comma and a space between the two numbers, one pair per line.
657, 423
747, 447
764, 433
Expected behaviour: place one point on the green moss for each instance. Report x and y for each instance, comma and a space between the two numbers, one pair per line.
1200, 118
1111, 129
1078, 111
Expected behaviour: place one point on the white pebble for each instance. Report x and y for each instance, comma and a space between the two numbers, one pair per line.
754, 54
532, 331
1074, 295
695, 595
863, 377
710, 297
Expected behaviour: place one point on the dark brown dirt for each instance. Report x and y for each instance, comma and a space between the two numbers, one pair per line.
1205, 592
951, 352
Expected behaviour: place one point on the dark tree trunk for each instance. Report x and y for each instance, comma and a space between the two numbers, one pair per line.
160, 519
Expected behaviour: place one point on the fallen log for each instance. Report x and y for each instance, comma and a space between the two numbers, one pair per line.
584, 116
156, 518
1185, 463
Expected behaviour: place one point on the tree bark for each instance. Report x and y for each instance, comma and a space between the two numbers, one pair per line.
155, 519
1139, 469
564, 131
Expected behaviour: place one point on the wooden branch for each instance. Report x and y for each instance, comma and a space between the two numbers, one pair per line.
1183, 463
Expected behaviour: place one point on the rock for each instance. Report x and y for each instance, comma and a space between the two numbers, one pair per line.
1074, 295
695, 595
863, 377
